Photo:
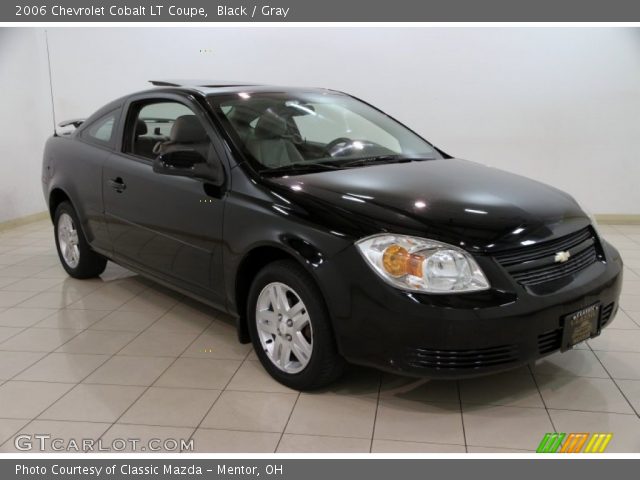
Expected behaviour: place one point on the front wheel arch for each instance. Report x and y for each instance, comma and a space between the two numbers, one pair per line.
323, 362
253, 262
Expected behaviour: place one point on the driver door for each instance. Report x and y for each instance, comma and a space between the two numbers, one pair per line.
169, 226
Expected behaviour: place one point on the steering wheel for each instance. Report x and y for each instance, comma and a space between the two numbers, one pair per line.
334, 143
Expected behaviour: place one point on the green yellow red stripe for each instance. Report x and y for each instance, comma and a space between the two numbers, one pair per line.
558, 442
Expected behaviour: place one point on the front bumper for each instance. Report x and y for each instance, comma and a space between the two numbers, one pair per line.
457, 336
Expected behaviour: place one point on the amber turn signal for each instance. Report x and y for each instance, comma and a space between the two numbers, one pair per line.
397, 261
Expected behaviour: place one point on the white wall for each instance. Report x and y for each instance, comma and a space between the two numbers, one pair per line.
558, 104
25, 120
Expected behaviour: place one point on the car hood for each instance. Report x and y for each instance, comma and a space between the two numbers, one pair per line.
452, 200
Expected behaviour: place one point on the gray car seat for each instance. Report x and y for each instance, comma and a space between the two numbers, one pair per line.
186, 132
143, 145
240, 118
269, 145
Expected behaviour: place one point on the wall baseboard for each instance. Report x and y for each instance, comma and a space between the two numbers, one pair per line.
603, 218
614, 218
16, 222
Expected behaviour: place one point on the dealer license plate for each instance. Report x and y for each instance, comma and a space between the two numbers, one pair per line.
580, 326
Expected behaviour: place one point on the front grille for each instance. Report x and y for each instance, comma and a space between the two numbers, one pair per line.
461, 359
605, 314
550, 341
536, 264
541, 275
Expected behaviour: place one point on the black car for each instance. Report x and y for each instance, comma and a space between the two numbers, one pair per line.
329, 230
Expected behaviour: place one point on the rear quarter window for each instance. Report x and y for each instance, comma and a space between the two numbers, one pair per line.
102, 130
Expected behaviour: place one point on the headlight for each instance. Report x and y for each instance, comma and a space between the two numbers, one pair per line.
422, 265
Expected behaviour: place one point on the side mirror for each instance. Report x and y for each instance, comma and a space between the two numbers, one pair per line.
184, 163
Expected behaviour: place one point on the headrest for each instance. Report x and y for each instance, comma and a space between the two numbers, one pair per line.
242, 114
141, 128
188, 129
271, 125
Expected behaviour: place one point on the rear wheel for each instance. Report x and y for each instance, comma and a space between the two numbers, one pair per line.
290, 328
75, 254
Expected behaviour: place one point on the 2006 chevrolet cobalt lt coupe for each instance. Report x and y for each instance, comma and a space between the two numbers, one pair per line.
329, 230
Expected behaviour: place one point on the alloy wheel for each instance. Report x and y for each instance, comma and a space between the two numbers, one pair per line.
284, 327
68, 240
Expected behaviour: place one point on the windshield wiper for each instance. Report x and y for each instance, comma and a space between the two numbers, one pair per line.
300, 167
306, 167
383, 159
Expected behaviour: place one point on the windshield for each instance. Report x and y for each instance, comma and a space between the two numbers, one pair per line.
287, 131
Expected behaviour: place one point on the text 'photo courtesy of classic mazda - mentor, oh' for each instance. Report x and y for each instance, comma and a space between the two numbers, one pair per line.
329, 230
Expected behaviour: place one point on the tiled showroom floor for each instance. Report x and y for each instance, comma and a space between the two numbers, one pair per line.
120, 357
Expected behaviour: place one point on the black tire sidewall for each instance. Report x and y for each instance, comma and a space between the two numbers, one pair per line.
324, 353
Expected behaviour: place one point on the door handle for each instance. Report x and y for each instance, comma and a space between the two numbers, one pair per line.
117, 184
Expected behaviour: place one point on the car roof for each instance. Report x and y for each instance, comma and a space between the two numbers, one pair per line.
200, 83
210, 87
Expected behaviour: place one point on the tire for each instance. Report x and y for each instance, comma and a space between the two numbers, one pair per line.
74, 252
301, 371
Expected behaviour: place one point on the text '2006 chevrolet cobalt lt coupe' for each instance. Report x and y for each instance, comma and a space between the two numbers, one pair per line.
329, 230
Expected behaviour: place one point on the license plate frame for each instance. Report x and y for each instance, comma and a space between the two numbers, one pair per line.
580, 325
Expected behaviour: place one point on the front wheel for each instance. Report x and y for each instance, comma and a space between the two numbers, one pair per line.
75, 254
290, 328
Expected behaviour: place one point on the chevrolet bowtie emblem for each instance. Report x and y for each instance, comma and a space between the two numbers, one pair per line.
562, 257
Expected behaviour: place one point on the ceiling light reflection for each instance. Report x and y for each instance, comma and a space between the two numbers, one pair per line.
353, 199
479, 212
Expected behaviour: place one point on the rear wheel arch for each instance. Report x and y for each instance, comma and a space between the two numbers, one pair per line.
56, 197
76, 255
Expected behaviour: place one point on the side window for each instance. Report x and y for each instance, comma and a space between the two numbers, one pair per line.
156, 127
101, 131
